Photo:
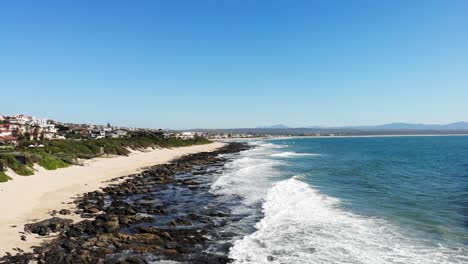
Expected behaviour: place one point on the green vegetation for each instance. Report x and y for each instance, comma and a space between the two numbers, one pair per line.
70, 150
4, 177
10, 161
61, 153
7, 149
50, 162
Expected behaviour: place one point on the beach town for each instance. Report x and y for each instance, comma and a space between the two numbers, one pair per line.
45, 165
20, 127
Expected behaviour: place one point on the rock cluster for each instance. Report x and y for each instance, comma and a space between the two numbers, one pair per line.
155, 215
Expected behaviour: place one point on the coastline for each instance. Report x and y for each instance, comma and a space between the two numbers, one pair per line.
30, 198
349, 136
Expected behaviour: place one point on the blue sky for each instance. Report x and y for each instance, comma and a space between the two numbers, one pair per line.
218, 64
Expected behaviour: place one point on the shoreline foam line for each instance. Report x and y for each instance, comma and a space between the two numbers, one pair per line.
298, 224
301, 225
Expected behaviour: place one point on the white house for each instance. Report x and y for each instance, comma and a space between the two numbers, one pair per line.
48, 135
119, 133
22, 119
5, 130
42, 122
187, 135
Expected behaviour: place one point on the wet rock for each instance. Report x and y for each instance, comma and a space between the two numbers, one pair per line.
193, 216
170, 252
166, 235
120, 231
64, 212
93, 210
128, 260
53, 225
218, 214
42, 231
19, 258
180, 222
120, 208
111, 222
127, 220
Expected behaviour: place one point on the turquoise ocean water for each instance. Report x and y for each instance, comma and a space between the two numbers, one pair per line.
350, 200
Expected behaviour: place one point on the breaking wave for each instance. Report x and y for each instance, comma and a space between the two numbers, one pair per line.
293, 154
300, 225
289, 221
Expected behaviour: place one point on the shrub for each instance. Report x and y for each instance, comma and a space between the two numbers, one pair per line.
61, 153
11, 162
50, 162
4, 177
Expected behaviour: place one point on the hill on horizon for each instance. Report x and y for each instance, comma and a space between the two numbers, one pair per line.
278, 126
390, 126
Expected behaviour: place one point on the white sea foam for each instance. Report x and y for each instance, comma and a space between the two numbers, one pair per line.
293, 154
249, 176
300, 225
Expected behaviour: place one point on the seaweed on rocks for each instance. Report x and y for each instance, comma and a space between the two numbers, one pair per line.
162, 213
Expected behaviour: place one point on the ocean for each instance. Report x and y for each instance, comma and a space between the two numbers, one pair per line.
348, 200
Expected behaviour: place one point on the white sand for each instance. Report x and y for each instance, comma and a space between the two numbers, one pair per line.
28, 198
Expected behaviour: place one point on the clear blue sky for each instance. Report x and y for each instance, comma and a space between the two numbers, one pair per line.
218, 64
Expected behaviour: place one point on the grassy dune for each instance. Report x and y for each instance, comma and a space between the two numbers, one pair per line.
62, 153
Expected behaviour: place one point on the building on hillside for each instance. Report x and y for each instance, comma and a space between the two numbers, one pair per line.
21, 119
47, 135
102, 134
42, 122
186, 135
5, 130
118, 133
8, 140
48, 128
19, 127
10, 129
169, 135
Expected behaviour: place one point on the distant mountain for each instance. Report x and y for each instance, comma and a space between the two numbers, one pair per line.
458, 125
279, 126
408, 126
392, 126
386, 129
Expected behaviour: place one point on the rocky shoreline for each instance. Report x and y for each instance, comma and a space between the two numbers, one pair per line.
163, 213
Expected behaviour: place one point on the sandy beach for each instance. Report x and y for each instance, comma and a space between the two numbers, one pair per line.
29, 198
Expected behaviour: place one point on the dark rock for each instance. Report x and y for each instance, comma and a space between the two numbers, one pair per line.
180, 222
218, 214
53, 225
42, 231
64, 212
118, 230
93, 210
120, 208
